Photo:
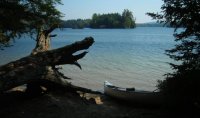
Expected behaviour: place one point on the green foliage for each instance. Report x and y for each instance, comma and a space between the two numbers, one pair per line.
183, 84
26, 16
113, 20
128, 19
76, 24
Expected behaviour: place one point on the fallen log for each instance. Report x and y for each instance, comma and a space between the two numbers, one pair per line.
65, 86
28, 69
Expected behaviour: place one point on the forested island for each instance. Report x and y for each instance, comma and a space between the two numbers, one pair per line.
100, 21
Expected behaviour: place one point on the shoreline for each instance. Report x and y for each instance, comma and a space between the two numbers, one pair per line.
60, 103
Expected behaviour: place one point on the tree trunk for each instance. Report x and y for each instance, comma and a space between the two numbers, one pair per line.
33, 67
42, 45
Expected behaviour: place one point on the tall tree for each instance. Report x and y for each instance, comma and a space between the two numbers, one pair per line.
94, 20
40, 17
128, 19
31, 17
183, 85
26, 16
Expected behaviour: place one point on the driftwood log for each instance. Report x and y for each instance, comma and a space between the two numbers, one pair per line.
34, 67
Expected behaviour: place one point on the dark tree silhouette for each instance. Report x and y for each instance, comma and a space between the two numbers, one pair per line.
183, 85
26, 16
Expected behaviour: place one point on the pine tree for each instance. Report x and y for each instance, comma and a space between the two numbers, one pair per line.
128, 19
183, 85
26, 16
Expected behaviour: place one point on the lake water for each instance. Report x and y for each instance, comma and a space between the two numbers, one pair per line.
125, 57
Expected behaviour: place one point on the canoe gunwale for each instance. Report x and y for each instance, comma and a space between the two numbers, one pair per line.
137, 96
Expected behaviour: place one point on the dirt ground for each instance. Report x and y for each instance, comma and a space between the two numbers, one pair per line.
67, 104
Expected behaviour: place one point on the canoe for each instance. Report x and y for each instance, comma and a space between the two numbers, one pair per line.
132, 95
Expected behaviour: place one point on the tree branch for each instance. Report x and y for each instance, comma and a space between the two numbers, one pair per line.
29, 68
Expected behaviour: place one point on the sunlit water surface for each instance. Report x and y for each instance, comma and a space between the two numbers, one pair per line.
125, 57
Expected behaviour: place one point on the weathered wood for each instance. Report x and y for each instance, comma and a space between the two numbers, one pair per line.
43, 40
43, 44
64, 85
28, 69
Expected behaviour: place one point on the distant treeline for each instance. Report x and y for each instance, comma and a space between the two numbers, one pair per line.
111, 20
152, 24
76, 24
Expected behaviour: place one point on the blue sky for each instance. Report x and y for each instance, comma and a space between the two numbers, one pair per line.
84, 9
